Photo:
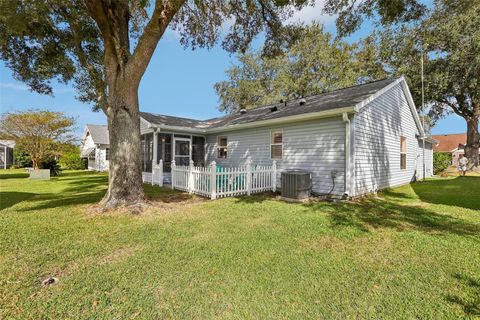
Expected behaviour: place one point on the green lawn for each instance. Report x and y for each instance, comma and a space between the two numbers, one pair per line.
412, 252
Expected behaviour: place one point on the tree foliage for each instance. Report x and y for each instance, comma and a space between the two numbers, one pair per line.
71, 159
449, 39
105, 46
313, 62
40, 134
441, 161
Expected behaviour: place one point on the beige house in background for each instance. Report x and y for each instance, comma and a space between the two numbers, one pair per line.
451, 143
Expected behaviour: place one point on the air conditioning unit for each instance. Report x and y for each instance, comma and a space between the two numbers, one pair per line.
296, 184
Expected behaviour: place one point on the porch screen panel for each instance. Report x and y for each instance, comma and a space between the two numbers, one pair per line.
198, 151
164, 150
147, 152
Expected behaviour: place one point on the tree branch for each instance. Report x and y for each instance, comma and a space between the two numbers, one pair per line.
162, 15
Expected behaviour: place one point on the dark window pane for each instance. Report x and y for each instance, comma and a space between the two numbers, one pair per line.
277, 137
222, 153
403, 161
276, 151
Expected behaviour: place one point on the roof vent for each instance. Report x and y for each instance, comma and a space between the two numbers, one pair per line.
273, 109
302, 101
243, 111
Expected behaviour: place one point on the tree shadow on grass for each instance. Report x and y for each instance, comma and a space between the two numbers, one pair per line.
10, 198
370, 214
461, 192
256, 198
470, 305
14, 176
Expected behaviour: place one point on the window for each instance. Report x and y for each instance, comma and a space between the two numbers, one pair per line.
276, 145
403, 153
107, 154
222, 143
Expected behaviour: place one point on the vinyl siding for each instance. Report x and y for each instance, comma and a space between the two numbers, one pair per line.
378, 128
316, 146
428, 160
101, 164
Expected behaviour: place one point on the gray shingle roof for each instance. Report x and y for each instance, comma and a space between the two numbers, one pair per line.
8, 143
99, 133
341, 98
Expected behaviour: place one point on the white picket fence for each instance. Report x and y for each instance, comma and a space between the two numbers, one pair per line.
156, 177
217, 182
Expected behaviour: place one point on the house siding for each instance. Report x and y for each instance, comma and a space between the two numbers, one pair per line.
317, 146
378, 128
428, 160
101, 163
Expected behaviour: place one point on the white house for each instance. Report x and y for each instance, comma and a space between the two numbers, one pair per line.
95, 147
354, 140
6, 153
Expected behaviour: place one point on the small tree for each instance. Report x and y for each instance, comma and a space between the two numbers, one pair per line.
40, 134
441, 161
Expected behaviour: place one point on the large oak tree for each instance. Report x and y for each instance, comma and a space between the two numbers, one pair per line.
449, 40
105, 46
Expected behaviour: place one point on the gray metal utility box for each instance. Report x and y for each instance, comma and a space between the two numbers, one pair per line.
296, 184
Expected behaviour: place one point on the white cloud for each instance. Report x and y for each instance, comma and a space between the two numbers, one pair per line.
312, 13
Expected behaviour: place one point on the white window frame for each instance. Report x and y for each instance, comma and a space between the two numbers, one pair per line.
275, 144
107, 154
403, 152
222, 147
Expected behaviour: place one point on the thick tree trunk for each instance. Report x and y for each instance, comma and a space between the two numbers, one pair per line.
125, 176
472, 146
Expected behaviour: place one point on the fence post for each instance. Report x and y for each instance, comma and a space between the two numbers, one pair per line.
154, 170
249, 175
160, 173
213, 180
173, 174
190, 176
274, 176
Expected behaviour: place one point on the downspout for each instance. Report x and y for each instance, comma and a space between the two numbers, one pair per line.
347, 155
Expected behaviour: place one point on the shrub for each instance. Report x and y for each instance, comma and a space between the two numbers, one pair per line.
71, 160
441, 161
51, 164
22, 159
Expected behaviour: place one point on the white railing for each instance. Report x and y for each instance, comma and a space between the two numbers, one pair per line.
156, 177
216, 182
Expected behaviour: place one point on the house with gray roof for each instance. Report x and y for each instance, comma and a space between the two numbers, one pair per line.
95, 147
354, 140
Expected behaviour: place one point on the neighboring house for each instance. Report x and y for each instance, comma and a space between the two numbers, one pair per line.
354, 140
453, 144
95, 147
6, 153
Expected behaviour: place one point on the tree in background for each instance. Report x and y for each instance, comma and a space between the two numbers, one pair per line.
40, 134
449, 39
311, 63
105, 46
22, 159
71, 159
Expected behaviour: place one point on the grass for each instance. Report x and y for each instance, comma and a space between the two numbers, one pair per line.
411, 252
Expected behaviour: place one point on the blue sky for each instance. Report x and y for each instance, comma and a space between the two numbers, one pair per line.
177, 82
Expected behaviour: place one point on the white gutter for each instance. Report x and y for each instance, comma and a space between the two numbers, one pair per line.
347, 154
